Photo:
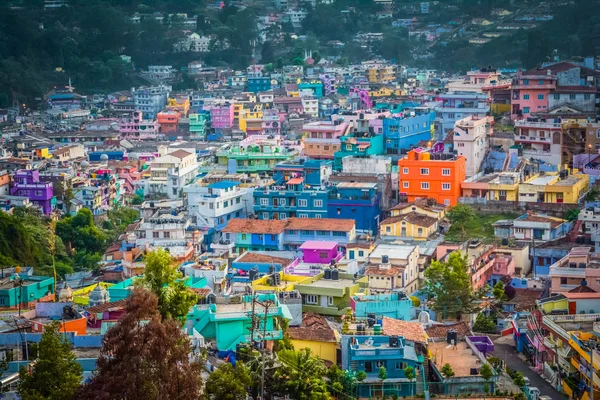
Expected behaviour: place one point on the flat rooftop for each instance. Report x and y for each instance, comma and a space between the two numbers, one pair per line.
461, 358
542, 180
331, 283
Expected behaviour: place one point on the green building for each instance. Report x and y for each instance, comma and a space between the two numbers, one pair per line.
124, 289
229, 322
253, 158
23, 289
328, 296
358, 144
197, 126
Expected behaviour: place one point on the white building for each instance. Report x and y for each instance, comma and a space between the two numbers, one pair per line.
311, 107
404, 262
150, 100
167, 231
68, 153
541, 140
192, 43
160, 73
456, 106
295, 17
170, 173
471, 139
210, 207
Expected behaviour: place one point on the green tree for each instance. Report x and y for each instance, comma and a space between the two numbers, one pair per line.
486, 373
301, 375
409, 373
447, 371
449, 286
484, 324
361, 376
56, 375
165, 281
460, 215
499, 292
519, 379
382, 375
228, 382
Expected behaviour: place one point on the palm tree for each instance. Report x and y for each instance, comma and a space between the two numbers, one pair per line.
301, 375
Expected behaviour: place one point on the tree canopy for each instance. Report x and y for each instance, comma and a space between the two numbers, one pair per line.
56, 375
228, 382
301, 375
448, 284
144, 356
165, 281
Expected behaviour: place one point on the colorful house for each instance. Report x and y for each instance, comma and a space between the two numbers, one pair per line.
392, 305
289, 200
221, 116
530, 92
432, 175
412, 225
406, 132
137, 127
356, 200
255, 235
327, 293
68, 318
231, 322
198, 126
258, 83
370, 353
358, 145
23, 290
255, 154
322, 138
168, 121
315, 334
554, 187
26, 183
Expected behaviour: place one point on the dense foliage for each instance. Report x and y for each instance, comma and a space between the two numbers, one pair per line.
56, 375
85, 41
27, 238
144, 356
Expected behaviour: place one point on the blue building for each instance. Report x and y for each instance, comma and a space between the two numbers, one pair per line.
404, 133
315, 87
293, 198
369, 353
358, 201
314, 172
259, 84
394, 305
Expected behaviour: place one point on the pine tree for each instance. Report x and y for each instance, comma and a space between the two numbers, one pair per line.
55, 375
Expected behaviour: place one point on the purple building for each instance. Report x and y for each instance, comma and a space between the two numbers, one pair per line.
222, 116
319, 252
26, 183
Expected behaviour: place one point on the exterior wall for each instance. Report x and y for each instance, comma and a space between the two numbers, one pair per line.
323, 350
407, 230
26, 183
471, 140
282, 204
361, 205
382, 305
402, 133
530, 94
410, 180
584, 100
222, 116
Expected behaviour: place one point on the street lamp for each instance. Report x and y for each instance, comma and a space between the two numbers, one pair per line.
589, 153
19, 281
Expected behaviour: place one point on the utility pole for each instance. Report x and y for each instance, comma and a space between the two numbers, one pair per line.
265, 305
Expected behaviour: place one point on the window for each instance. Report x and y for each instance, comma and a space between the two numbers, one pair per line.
525, 97
368, 366
311, 299
388, 229
322, 254
540, 97
405, 170
318, 203
282, 202
225, 204
525, 81
38, 192
557, 97
243, 236
264, 202
349, 147
237, 201
142, 234
446, 202
318, 216
282, 215
526, 110
572, 97
420, 231
445, 186
167, 235
446, 171
329, 300
302, 203
361, 253
260, 237
302, 215
424, 171
325, 147
405, 185
425, 185
266, 215
586, 96
155, 235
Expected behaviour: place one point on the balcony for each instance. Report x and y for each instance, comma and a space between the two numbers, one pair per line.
523, 123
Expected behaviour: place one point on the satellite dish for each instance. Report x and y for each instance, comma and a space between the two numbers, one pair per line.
104, 157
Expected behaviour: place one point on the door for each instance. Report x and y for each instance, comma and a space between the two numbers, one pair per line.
573, 307
324, 301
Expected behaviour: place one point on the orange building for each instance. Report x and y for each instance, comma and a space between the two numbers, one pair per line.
432, 175
168, 121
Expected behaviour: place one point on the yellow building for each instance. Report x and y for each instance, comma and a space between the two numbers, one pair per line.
505, 187
385, 92
411, 225
287, 283
80, 296
315, 334
245, 115
381, 74
179, 104
554, 188
421, 207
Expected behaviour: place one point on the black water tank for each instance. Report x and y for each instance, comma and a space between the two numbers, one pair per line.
335, 274
385, 259
253, 274
327, 273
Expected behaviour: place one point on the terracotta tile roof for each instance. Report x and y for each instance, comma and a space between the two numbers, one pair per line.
524, 299
112, 306
323, 224
314, 327
412, 218
421, 203
440, 331
412, 331
268, 227
202, 291
582, 289
250, 257
377, 270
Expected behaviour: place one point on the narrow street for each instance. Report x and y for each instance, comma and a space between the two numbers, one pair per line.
506, 351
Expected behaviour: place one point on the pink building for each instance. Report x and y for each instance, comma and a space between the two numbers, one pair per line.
576, 269
319, 252
530, 92
138, 128
221, 116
